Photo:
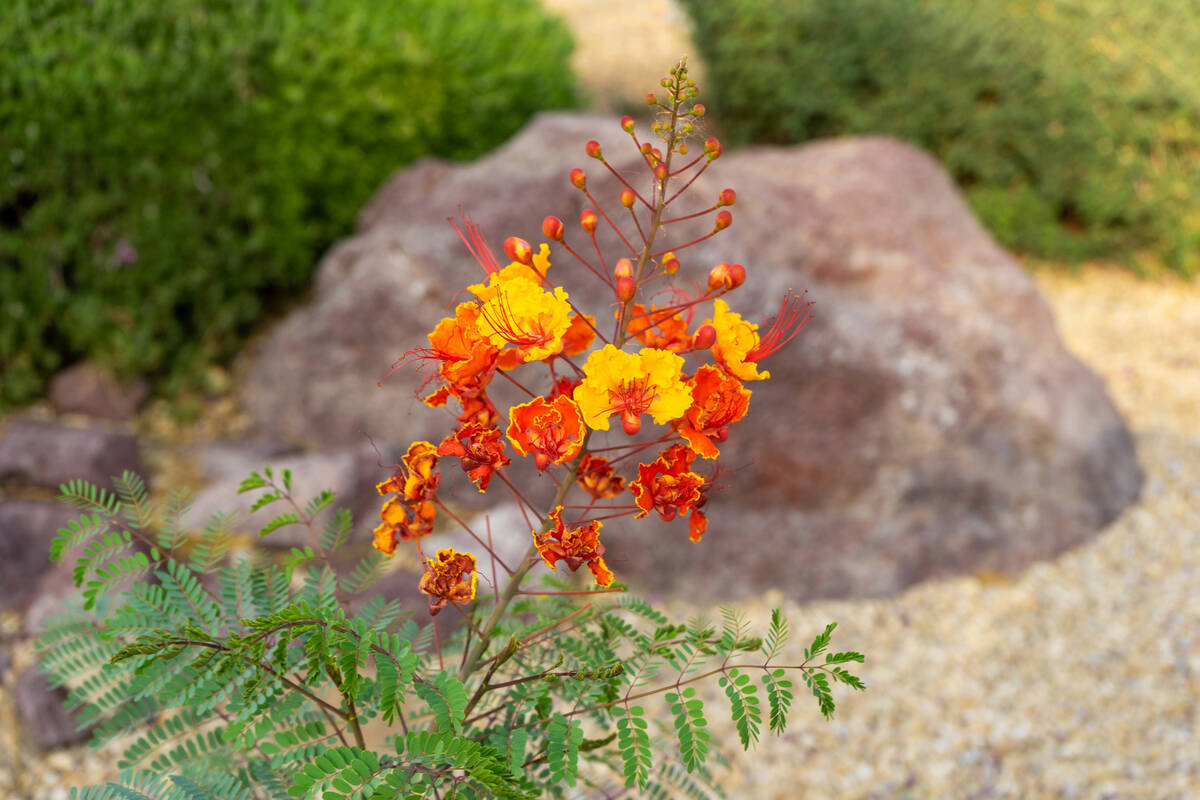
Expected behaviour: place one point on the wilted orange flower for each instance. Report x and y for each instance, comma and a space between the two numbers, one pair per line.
632, 384
667, 485
531, 319
597, 478
666, 330
399, 524
574, 546
480, 450
477, 407
445, 579
422, 478
579, 335
718, 400
551, 430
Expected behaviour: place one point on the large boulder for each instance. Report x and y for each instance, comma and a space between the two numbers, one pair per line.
928, 421
43, 455
27, 527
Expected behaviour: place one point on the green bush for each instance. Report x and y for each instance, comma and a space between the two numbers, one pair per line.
172, 170
1073, 128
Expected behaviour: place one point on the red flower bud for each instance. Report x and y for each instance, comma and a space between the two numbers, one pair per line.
623, 269
656, 154
628, 198
589, 220
698, 109
737, 274
579, 178
518, 250
704, 337
724, 220
660, 172
719, 277
627, 124
682, 149
552, 228
670, 263
626, 289
593, 149
727, 197
646, 148
651, 99
722, 433
713, 147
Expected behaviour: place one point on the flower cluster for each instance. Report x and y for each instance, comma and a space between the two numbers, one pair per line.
657, 367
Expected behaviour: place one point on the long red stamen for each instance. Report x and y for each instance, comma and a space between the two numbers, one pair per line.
513, 329
475, 243
793, 315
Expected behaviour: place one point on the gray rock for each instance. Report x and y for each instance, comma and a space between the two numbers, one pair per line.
929, 421
44, 455
26, 530
87, 388
351, 473
236, 458
40, 712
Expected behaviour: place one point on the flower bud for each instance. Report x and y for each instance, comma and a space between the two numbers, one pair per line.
670, 263
518, 250
656, 154
724, 220
592, 148
698, 109
623, 269
626, 289
713, 147
737, 274
722, 433
579, 178
719, 278
682, 149
665, 83
628, 198
589, 220
632, 423
645, 148
704, 337
552, 227
660, 172
727, 197
627, 123
651, 99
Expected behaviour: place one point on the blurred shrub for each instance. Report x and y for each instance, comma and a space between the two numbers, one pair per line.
1074, 128
172, 169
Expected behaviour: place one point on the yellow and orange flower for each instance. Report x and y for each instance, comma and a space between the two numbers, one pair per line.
632, 384
597, 478
666, 330
531, 320
402, 522
575, 546
718, 400
736, 339
551, 430
445, 579
466, 354
667, 485
479, 448
534, 272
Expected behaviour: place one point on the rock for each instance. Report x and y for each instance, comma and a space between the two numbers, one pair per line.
929, 421
26, 530
51, 592
234, 458
351, 473
44, 455
87, 388
40, 712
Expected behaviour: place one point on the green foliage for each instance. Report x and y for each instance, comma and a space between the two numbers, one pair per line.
1072, 127
173, 170
241, 677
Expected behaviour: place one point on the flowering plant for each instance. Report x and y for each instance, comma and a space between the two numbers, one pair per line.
275, 690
